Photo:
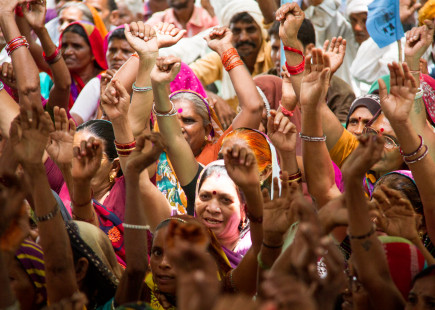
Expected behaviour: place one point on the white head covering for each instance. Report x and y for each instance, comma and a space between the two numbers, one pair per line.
357, 6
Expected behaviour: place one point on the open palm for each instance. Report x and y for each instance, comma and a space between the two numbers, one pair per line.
60, 146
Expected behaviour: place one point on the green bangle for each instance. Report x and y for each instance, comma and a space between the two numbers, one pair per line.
260, 262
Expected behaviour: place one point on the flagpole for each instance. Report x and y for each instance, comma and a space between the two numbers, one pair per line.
399, 44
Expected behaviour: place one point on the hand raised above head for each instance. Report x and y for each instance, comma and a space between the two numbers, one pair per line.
142, 38
87, 159
168, 34
336, 52
220, 39
291, 17
142, 157
34, 12
166, 69
281, 132
418, 40
115, 101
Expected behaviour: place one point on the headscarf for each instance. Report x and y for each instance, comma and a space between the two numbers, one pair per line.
31, 257
98, 21
369, 101
426, 12
107, 38
90, 242
427, 84
404, 260
96, 46
187, 80
357, 6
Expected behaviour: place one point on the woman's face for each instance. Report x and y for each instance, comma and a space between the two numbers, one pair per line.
68, 16
101, 178
76, 52
391, 159
118, 52
163, 274
358, 120
422, 294
218, 207
192, 125
22, 286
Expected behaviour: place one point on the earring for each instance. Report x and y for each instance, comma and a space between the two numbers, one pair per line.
207, 139
111, 178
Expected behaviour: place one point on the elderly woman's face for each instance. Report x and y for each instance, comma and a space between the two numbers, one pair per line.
358, 120
422, 294
192, 125
218, 207
76, 52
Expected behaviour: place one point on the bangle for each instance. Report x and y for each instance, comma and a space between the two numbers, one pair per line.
285, 111
48, 216
234, 64
418, 158
293, 70
73, 203
90, 220
419, 94
139, 227
360, 237
414, 153
170, 113
312, 139
260, 262
53, 57
2, 86
295, 176
125, 146
15, 44
229, 55
254, 219
272, 246
141, 89
414, 71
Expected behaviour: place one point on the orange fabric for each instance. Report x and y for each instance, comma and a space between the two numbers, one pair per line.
211, 150
98, 22
343, 148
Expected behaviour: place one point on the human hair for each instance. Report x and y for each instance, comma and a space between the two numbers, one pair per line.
112, 5
243, 17
198, 103
103, 130
406, 186
134, 6
257, 143
117, 34
274, 29
87, 14
306, 33
429, 271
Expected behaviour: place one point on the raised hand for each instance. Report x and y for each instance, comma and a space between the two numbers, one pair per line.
87, 159
168, 34
60, 147
34, 13
241, 165
288, 99
166, 69
398, 103
220, 39
333, 214
407, 9
281, 132
291, 17
368, 152
115, 101
142, 38
278, 214
140, 158
335, 52
225, 113
315, 81
106, 77
418, 40
29, 135
396, 214
8, 75
8, 6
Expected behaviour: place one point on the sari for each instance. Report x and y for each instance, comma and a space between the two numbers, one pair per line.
96, 46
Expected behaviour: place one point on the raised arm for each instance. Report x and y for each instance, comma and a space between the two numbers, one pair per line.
366, 247
268, 8
59, 94
250, 102
319, 172
29, 138
397, 107
178, 149
136, 222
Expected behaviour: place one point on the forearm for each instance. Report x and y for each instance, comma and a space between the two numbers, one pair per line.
58, 259
123, 135
331, 126
268, 8
141, 102
10, 109
288, 162
81, 201
427, 256
128, 72
294, 59
318, 168
26, 72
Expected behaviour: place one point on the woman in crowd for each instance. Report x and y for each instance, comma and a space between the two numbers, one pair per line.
361, 112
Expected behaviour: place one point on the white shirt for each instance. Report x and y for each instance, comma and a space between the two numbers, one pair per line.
86, 104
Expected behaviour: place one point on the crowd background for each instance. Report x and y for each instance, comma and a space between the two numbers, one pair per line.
158, 155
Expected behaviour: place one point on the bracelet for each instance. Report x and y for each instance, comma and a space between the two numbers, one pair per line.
15, 44
414, 153
229, 55
2, 86
419, 94
170, 113
124, 153
234, 64
360, 237
48, 216
418, 158
295, 176
293, 70
73, 203
272, 246
414, 71
53, 57
139, 227
125, 146
260, 262
141, 89
285, 111
78, 218
254, 219
312, 139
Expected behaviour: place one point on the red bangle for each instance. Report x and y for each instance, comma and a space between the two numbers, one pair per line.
293, 70
50, 58
125, 146
285, 111
234, 64
16, 43
291, 49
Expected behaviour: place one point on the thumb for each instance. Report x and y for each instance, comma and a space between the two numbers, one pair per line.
120, 88
180, 34
383, 93
270, 127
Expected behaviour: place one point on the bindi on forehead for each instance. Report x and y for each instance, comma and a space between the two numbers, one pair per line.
180, 110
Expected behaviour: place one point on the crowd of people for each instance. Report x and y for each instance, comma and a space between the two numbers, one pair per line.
159, 155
